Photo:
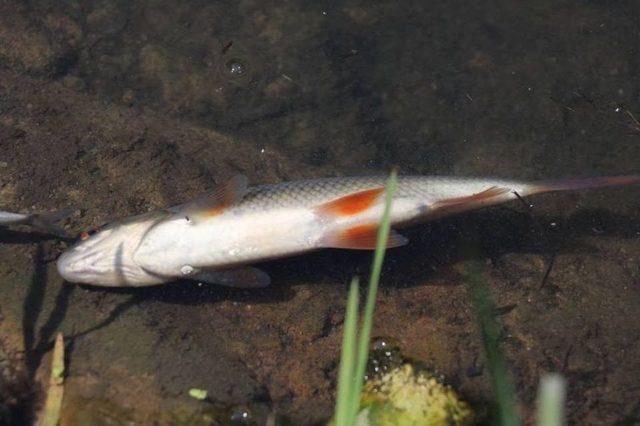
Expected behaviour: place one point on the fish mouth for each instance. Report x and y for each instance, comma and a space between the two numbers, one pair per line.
69, 267
97, 267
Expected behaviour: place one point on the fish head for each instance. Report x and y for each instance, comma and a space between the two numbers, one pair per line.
104, 257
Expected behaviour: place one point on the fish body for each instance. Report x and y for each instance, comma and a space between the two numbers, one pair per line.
8, 218
214, 237
45, 222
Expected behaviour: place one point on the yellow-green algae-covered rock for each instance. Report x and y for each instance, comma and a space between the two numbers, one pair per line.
404, 397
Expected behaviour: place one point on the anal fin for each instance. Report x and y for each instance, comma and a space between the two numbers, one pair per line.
485, 195
241, 277
360, 237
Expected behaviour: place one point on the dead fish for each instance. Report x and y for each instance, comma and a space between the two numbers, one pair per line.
45, 222
216, 236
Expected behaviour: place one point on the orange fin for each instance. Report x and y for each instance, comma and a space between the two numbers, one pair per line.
581, 183
360, 237
350, 204
215, 202
492, 192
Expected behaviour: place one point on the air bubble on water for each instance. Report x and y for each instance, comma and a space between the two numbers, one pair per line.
186, 270
241, 416
235, 68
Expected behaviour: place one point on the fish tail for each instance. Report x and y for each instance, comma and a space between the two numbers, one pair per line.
581, 183
47, 222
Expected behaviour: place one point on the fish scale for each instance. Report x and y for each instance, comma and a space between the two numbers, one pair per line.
316, 191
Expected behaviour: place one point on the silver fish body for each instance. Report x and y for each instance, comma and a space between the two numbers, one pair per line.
213, 237
280, 220
8, 218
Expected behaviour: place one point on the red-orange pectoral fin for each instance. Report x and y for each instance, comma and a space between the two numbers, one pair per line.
470, 200
350, 204
360, 237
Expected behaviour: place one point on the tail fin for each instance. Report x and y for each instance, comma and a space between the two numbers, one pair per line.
582, 183
46, 222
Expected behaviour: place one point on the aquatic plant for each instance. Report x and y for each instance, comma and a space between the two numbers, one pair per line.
355, 350
406, 396
501, 382
550, 404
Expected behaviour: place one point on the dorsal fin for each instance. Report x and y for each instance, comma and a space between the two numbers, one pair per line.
215, 202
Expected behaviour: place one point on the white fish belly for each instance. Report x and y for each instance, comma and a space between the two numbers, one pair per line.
176, 248
245, 238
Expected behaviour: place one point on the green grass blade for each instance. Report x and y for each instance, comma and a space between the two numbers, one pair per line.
550, 407
374, 279
501, 382
347, 358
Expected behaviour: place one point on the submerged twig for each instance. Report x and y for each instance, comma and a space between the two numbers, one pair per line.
636, 123
543, 234
55, 391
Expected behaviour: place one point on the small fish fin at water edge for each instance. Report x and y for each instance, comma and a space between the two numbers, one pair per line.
215, 202
351, 204
242, 277
47, 222
580, 183
360, 237
449, 206
487, 194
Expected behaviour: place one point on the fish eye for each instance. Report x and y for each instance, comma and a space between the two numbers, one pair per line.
86, 234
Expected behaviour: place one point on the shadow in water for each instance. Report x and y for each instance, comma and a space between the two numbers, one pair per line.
435, 247
32, 307
426, 260
113, 315
179, 292
498, 232
11, 236
48, 330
